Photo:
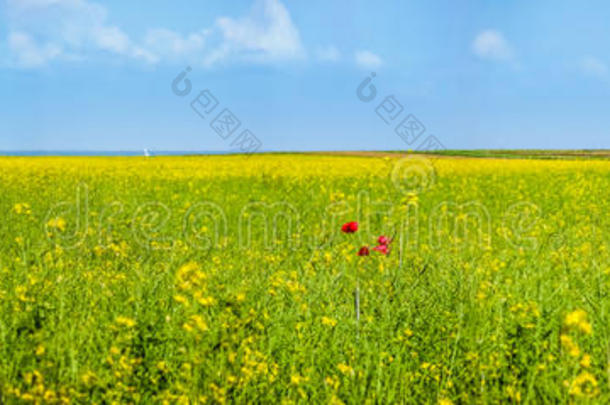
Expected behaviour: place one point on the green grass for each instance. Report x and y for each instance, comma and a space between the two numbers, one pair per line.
527, 153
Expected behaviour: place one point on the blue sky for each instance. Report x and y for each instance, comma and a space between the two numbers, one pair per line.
86, 75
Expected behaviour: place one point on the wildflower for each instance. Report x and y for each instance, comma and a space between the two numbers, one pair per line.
40, 350
332, 382
22, 208
410, 199
383, 240
364, 251
570, 346
575, 317
345, 369
383, 249
513, 394
349, 227
124, 321
584, 385
199, 322
181, 299
49, 396
297, 379
88, 378
585, 362
328, 321
335, 401
578, 320
58, 223
206, 301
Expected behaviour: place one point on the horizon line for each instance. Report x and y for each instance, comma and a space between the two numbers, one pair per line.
176, 152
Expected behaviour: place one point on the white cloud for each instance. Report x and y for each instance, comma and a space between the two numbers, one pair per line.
367, 59
594, 67
328, 54
167, 44
111, 39
267, 34
46, 30
43, 31
492, 45
28, 53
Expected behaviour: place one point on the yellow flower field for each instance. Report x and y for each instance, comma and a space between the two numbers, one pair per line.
218, 279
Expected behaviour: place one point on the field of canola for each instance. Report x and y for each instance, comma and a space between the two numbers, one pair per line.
226, 279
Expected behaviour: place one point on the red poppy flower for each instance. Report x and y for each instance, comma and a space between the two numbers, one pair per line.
383, 249
383, 240
364, 251
349, 227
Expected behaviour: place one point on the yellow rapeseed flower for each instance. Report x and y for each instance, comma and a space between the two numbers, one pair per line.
585, 362
57, 223
22, 208
297, 379
345, 369
584, 385
124, 321
329, 321
578, 320
571, 347
40, 350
